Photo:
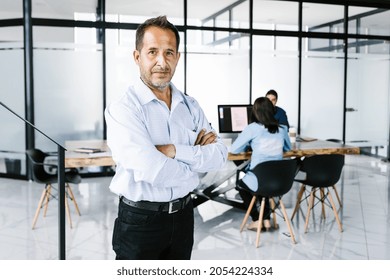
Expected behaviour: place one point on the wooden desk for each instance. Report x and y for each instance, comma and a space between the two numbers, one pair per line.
74, 159
300, 149
214, 185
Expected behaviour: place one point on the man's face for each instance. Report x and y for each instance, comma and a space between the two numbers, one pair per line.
272, 98
158, 57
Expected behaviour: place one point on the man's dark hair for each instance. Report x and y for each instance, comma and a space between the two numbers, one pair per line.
161, 22
272, 92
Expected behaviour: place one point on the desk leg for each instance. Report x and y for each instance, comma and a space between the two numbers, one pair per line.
216, 193
198, 198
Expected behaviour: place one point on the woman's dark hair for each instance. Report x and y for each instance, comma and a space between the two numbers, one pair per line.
263, 113
161, 22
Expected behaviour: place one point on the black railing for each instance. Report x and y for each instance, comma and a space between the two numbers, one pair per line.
61, 185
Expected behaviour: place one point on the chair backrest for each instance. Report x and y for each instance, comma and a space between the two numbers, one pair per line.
37, 158
322, 170
275, 177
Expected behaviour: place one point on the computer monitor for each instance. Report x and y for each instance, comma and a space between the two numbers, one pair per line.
233, 118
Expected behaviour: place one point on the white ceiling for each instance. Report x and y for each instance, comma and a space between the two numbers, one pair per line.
264, 11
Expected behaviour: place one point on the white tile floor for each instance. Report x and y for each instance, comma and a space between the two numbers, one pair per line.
364, 189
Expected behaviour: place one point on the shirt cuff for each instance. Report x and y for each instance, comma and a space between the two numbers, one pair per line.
184, 153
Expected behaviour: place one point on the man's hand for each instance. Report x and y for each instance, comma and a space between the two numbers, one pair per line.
169, 150
205, 138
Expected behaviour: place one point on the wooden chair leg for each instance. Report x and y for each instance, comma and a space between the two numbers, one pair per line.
299, 198
273, 208
247, 213
335, 212
68, 211
322, 195
287, 221
48, 193
43, 195
337, 195
73, 198
311, 203
260, 224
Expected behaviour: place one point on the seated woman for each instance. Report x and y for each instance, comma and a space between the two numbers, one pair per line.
267, 140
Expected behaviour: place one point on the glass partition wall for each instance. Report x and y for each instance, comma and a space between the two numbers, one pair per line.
67, 73
12, 140
275, 66
211, 66
322, 93
328, 60
367, 108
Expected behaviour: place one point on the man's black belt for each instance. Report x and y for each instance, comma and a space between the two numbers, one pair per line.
170, 207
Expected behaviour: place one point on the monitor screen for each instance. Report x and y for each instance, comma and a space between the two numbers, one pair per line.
233, 118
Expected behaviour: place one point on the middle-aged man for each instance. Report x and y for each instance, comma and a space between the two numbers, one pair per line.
160, 140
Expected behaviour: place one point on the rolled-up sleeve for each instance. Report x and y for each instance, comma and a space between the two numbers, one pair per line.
203, 158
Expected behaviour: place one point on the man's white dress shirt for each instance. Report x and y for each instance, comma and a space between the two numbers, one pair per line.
136, 123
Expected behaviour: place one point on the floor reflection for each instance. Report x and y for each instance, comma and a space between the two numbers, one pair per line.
363, 187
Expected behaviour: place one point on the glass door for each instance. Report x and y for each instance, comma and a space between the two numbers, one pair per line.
322, 94
368, 88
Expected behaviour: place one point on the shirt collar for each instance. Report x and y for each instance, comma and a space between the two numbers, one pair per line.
146, 95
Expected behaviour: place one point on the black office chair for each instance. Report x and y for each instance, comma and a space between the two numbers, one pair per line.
275, 178
41, 175
322, 173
